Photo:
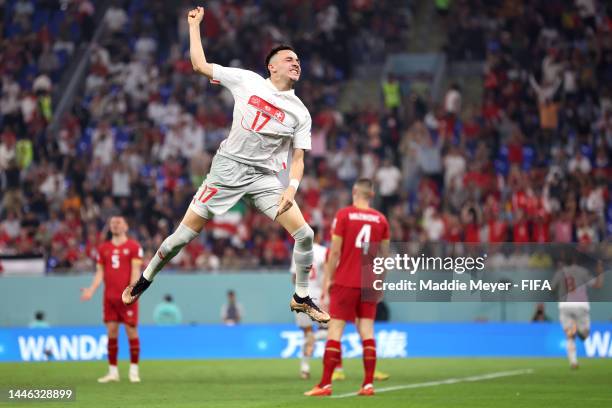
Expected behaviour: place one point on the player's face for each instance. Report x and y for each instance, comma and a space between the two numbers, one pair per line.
118, 226
286, 64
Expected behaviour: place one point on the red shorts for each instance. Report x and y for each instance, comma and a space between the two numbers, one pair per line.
345, 304
116, 311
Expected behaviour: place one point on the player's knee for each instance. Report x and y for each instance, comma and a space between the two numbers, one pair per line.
304, 237
169, 246
113, 332
175, 242
132, 331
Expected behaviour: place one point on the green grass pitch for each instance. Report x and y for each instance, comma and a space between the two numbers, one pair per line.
275, 383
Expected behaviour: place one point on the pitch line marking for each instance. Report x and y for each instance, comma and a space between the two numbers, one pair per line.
489, 376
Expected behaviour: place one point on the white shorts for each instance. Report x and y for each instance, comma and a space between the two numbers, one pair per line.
578, 317
228, 181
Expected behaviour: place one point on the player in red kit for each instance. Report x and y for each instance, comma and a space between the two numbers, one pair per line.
357, 230
118, 265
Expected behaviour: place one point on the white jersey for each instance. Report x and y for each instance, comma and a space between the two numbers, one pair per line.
315, 279
265, 121
571, 283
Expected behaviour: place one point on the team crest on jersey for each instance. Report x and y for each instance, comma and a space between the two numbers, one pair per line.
126, 251
266, 107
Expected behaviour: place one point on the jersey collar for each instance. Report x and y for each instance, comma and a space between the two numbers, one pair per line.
275, 89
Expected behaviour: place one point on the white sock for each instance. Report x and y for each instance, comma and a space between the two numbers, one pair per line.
133, 368
171, 246
571, 351
304, 366
302, 257
301, 288
112, 370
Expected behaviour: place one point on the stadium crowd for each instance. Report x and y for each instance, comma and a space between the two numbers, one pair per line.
532, 164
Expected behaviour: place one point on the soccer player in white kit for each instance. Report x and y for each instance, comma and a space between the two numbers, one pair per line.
315, 286
571, 282
268, 120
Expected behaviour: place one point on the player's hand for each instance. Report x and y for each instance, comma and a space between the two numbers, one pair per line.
86, 294
194, 17
286, 200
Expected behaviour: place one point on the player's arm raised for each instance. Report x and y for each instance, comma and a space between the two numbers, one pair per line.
87, 293
295, 176
196, 51
331, 264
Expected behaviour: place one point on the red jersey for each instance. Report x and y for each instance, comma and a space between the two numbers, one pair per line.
116, 260
357, 226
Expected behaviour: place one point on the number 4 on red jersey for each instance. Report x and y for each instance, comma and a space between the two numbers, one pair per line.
360, 229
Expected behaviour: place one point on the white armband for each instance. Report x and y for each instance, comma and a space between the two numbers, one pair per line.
295, 183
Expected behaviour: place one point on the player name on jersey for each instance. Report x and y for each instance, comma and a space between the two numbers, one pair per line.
359, 216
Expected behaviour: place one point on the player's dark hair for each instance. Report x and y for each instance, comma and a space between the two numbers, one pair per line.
275, 51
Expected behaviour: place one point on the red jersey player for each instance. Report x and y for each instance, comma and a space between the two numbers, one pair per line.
118, 265
356, 230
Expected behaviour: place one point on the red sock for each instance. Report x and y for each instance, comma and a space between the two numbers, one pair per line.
331, 357
134, 350
113, 349
369, 360
339, 363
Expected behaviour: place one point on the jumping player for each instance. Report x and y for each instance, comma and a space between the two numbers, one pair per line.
315, 283
356, 230
118, 264
571, 282
268, 119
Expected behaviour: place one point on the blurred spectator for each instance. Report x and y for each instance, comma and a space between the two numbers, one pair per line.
116, 17
167, 313
433, 225
452, 100
540, 314
231, 312
39, 321
392, 94
388, 179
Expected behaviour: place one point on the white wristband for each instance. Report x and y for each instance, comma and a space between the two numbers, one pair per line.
295, 183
